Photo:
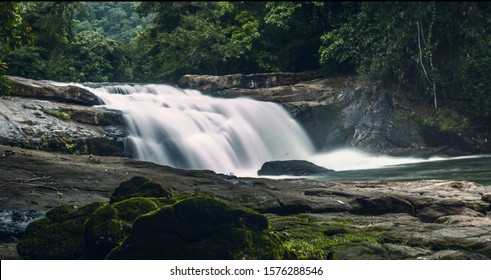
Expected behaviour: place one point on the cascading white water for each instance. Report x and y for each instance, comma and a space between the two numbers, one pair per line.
186, 129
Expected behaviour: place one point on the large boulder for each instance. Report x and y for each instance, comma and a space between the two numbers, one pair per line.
200, 227
42, 90
291, 167
111, 224
59, 235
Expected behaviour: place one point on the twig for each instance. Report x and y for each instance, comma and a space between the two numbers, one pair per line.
37, 178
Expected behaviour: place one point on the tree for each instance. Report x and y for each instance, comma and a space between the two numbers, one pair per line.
13, 32
192, 37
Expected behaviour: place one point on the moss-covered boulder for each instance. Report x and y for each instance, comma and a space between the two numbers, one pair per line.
59, 235
139, 186
200, 227
111, 224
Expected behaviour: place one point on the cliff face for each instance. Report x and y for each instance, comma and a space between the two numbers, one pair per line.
350, 112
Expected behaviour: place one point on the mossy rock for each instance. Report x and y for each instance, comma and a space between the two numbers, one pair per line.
111, 224
138, 187
59, 235
200, 227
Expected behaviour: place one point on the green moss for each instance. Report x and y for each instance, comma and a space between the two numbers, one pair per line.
132, 208
139, 187
200, 227
112, 223
307, 237
402, 117
60, 213
57, 236
57, 114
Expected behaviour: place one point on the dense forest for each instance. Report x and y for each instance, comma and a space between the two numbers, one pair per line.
440, 51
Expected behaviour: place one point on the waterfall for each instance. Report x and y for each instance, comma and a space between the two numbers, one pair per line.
185, 129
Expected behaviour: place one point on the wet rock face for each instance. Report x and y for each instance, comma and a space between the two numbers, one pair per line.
291, 167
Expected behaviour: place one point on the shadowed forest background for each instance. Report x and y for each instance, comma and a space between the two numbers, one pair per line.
440, 51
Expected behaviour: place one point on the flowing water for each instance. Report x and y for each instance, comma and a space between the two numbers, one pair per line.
186, 129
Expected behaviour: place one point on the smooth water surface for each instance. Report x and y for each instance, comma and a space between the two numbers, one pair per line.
473, 168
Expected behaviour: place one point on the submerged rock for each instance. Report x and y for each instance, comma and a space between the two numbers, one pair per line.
291, 167
201, 227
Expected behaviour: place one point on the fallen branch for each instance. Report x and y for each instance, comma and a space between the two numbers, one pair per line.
37, 178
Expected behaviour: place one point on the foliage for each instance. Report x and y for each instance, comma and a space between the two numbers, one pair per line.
13, 32
118, 21
429, 47
194, 37
438, 50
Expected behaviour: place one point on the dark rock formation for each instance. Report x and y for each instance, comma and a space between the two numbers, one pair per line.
290, 167
43, 90
200, 227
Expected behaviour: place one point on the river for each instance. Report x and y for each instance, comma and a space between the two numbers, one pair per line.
468, 168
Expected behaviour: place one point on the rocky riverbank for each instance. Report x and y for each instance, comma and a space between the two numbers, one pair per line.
314, 219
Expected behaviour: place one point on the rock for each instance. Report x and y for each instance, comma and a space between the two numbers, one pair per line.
210, 84
201, 227
138, 187
47, 125
42, 90
111, 224
291, 167
453, 255
59, 235
486, 197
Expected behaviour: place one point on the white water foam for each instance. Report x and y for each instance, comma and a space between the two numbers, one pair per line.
352, 159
